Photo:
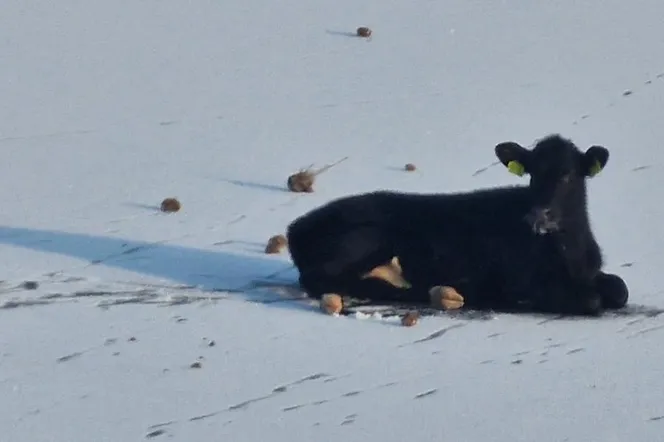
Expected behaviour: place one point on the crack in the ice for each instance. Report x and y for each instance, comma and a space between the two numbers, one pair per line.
551, 319
163, 424
438, 334
646, 330
312, 377
70, 356
426, 393
204, 416
245, 404
484, 169
155, 433
23, 303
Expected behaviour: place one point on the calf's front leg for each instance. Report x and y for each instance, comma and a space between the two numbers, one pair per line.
575, 298
612, 289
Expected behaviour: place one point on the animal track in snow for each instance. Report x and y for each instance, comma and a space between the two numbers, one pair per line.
241, 406
337, 397
538, 356
350, 419
625, 93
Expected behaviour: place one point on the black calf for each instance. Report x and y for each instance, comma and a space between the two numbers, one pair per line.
512, 248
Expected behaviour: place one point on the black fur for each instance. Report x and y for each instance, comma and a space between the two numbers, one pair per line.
510, 248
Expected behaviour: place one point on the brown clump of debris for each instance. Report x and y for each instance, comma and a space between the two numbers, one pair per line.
276, 244
410, 167
170, 205
331, 303
410, 319
363, 31
303, 181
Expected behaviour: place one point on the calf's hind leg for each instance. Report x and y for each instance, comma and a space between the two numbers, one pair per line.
390, 273
356, 263
372, 289
334, 261
441, 297
384, 283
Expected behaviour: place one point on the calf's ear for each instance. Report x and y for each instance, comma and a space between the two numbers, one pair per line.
594, 160
513, 156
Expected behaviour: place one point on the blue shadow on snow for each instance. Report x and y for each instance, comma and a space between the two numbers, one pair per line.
208, 270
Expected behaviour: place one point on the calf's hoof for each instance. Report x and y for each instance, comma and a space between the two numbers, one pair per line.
331, 303
613, 290
445, 298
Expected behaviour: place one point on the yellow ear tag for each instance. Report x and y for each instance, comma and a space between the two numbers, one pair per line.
516, 168
595, 168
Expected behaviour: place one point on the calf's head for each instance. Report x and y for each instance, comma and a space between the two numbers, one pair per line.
557, 170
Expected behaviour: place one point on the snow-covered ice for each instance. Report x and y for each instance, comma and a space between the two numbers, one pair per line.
109, 107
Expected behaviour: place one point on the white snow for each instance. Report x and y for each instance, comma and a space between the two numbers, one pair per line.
109, 107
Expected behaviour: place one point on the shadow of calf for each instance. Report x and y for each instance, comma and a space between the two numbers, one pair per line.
245, 276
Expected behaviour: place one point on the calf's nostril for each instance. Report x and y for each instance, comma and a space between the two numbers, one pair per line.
543, 214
